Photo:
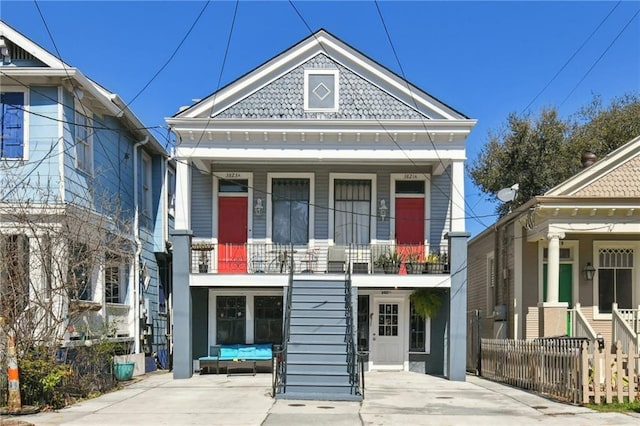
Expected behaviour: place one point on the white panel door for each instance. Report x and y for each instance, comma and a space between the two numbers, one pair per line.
387, 334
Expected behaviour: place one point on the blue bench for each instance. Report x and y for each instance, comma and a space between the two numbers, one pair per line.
236, 356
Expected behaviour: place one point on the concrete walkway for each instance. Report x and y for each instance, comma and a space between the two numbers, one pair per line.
392, 398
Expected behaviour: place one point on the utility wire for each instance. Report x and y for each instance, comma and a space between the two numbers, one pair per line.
571, 58
600, 57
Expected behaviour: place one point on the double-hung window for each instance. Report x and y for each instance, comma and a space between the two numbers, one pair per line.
231, 317
84, 142
12, 125
115, 273
290, 200
352, 211
615, 278
267, 319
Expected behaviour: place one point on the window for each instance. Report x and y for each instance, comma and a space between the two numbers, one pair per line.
615, 278
363, 323
12, 126
84, 142
321, 90
233, 186
14, 274
352, 211
290, 199
388, 319
171, 191
231, 316
114, 278
79, 272
268, 319
145, 181
417, 337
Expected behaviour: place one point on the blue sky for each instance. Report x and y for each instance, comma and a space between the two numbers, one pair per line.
485, 59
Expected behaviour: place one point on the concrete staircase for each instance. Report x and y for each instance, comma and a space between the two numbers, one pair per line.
317, 353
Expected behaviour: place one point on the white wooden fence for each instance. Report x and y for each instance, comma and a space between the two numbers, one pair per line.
571, 370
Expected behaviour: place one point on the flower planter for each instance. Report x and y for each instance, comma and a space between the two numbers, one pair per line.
414, 268
123, 370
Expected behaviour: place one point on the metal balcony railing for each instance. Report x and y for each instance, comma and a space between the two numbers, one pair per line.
269, 258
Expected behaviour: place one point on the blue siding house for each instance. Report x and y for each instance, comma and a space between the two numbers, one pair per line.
84, 205
316, 194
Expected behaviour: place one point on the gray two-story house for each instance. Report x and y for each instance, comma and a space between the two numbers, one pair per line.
320, 168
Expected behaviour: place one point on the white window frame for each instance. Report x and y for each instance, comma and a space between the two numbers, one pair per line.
635, 274
25, 121
311, 177
336, 85
122, 277
374, 197
146, 184
83, 118
171, 191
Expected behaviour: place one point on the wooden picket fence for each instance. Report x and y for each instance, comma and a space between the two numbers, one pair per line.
571, 370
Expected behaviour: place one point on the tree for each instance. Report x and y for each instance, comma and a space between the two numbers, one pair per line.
540, 152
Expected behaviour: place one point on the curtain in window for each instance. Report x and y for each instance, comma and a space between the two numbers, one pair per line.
290, 200
352, 211
11, 125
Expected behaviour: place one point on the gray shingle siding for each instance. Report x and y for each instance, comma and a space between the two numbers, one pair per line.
358, 98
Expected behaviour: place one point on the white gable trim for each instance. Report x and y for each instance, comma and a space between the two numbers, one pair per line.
321, 42
31, 47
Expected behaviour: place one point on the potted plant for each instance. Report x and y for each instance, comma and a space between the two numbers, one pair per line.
124, 365
389, 262
433, 263
413, 264
426, 301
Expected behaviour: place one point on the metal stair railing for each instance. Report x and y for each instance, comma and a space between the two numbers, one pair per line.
279, 370
353, 359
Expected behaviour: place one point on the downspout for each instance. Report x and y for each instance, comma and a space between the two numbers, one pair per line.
136, 236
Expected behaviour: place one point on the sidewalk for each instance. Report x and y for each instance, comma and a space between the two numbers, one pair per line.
391, 398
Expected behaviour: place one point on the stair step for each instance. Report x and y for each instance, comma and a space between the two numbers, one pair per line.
320, 379
319, 305
299, 356
337, 321
292, 394
317, 328
317, 290
319, 348
336, 392
318, 298
319, 284
318, 368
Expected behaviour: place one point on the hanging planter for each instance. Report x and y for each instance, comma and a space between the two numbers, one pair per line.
427, 301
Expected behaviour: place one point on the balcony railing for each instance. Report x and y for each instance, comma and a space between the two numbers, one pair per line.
267, 258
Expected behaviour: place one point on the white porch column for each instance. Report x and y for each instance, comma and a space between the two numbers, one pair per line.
457, 197
552, 315
553, 267
183, 194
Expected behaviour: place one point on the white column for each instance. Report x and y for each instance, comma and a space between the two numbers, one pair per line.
553, 267
457, 197
183, 194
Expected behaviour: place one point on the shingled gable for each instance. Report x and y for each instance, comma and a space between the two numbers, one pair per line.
616, 175
274, 90
31, 62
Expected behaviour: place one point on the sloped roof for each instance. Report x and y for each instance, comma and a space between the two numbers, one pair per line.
321, 47
40, 61
615, 175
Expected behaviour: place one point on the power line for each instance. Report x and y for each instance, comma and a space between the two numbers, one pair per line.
572, 56
600, 57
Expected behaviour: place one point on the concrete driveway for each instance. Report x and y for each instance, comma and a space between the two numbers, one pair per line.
392, 398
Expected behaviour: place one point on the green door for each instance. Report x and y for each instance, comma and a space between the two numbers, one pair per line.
565, 284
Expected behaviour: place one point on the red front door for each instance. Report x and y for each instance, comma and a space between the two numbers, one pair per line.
410, 227
232, 235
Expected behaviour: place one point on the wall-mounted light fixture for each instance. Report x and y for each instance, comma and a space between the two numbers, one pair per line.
589, 271
258, 208
382, 210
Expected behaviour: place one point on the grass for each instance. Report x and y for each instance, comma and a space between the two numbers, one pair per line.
616, 407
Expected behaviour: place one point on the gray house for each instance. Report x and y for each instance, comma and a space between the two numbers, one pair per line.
320, 168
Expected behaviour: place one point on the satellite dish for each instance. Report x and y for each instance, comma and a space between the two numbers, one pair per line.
508, 194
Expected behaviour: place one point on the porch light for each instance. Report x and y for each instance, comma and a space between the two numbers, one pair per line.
588, 272
258, 208
383, 210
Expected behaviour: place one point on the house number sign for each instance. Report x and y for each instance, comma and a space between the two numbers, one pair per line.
410, 176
